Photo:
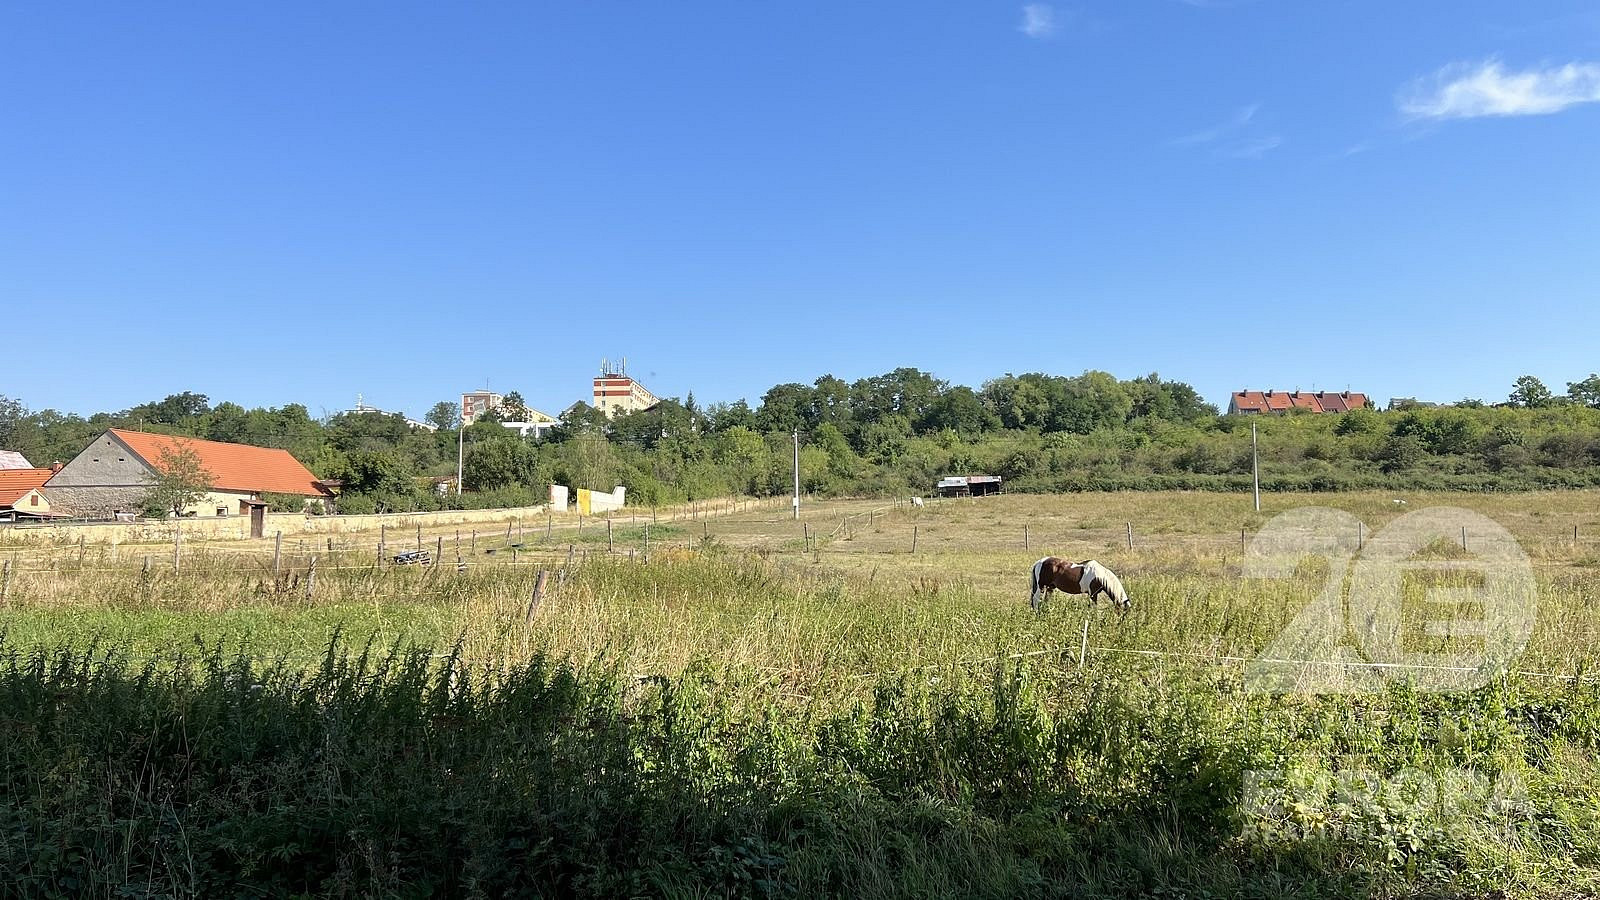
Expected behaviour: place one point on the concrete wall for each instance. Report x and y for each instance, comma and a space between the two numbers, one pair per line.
237, 527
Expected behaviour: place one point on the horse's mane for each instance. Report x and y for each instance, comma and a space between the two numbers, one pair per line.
1094, 569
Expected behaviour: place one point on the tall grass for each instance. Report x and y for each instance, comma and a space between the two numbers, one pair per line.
395, 773
852, 722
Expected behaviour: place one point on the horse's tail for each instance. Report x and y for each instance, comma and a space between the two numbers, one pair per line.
1033, 587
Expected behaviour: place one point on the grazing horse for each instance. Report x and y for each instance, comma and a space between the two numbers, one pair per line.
1088, 577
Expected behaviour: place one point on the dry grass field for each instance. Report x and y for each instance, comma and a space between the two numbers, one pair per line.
891, 648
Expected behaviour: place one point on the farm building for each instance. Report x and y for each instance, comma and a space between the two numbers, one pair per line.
1280, 402
20, 497
968, 485
11, 459
114, 474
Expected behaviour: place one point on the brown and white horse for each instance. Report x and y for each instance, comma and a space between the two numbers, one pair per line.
1088, 577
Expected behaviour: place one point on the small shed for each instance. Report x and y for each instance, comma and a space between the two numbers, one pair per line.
968, 485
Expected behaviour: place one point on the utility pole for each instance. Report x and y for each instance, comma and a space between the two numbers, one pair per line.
1255, 465
797, 474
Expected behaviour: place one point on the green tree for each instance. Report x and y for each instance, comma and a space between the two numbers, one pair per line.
1529, 392
444, 415
1401, 452
179, 482
785, 407
175, 409
738, 414
499, 464
961, 410
1090, 401
830, 402
13, 415
905, 392
1586, 392
513, 408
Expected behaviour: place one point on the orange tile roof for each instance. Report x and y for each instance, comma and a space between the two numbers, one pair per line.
16, 483
233, 467
1282, 401
1303, 400
1245, 400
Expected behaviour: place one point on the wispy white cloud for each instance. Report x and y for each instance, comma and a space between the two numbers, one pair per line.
1240, 118
1251, 148
1469, 91
1234, 138
1038, 21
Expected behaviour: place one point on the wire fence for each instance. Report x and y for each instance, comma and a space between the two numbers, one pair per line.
888, 529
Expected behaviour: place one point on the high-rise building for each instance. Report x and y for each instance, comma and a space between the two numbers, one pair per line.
616, 394
476, 403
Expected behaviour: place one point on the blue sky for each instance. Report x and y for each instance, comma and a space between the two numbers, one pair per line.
295, 202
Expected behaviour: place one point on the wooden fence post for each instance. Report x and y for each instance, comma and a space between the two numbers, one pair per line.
5, 580
1130, 535
474, 548
277, 554
549, 524
647, 542
1361, 538
177, 544
311, 577
913, 539
611, 546
438, 553
1024, 535
538, 595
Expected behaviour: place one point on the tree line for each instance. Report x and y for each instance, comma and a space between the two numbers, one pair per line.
889, 434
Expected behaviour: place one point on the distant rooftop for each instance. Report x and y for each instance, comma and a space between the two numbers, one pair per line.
11, 459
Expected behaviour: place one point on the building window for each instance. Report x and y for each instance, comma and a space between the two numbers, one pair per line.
33, 500
222, 510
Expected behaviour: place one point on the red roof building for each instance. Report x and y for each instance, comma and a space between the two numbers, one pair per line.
1279, 402
233, 467
115, 472
19, 493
